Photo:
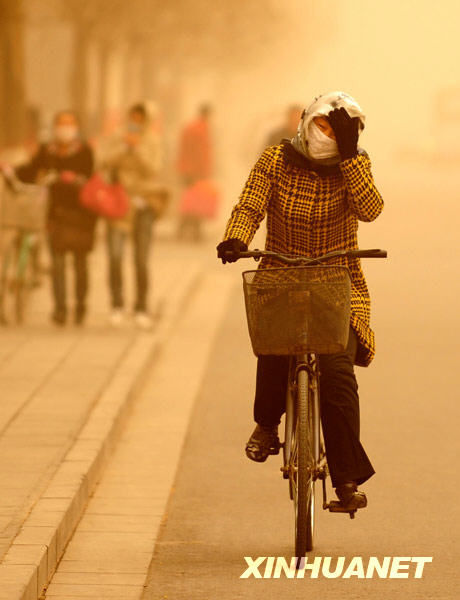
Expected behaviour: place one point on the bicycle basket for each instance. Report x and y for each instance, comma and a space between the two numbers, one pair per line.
24, 209
294, 310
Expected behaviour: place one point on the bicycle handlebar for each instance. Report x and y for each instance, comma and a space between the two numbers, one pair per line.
51, 177
305, 260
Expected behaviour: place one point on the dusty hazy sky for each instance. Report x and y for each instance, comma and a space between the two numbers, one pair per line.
394, 57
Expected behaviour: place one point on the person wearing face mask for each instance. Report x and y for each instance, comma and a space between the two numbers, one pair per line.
314, 189
65, 163
134, 159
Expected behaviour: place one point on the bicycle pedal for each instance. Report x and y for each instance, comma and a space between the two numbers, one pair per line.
336, 507
285, 472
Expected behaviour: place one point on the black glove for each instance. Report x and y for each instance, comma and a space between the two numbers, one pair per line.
229, 251
346, 132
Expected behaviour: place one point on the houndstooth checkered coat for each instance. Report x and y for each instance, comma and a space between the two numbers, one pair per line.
312, 210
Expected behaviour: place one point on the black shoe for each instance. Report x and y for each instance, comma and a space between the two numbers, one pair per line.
263, 441
59, 317
349, 496
80, 313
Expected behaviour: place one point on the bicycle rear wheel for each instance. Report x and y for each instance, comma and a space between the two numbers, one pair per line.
8, 282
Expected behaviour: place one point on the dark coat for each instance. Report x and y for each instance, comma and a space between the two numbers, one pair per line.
70, 226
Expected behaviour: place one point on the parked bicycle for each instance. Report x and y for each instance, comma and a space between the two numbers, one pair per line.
22, 213
302, 311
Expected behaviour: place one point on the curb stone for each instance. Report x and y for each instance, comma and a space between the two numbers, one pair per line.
32, 558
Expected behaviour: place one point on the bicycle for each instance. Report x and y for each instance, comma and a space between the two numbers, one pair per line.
314, 301
22, 220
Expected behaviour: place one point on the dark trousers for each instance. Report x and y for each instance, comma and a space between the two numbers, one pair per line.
58, 275
339, 406
116, 239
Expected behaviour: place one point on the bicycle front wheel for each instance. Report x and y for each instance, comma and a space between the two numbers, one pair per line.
25, 276
306, 443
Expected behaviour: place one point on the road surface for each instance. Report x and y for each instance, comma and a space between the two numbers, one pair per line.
224, 507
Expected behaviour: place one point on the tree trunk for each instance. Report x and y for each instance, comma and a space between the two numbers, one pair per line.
12, 96
79, 75
102, 70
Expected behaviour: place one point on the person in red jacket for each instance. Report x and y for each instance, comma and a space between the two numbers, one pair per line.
195, 163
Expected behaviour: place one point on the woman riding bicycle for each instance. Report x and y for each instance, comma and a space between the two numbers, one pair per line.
314, 189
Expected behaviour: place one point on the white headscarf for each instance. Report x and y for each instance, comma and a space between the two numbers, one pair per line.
321, 107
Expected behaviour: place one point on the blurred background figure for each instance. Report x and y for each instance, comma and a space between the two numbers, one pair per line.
195, 167
134, 159
64, 164
288, 129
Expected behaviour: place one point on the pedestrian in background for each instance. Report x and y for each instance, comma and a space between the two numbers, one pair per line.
65, 163
288, 129
133, 158
195, 168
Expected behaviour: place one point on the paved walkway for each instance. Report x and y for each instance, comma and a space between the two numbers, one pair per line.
51, 379
110, 551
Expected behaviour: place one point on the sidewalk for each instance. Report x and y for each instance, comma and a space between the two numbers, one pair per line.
64, 395
111, 549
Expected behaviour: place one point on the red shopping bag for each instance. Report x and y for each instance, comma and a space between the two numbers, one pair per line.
200, 199
105, 199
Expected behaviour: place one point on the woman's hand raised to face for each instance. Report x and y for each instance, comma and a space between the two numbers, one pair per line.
346, 130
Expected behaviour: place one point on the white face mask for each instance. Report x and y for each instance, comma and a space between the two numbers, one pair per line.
320, 145
66, 133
